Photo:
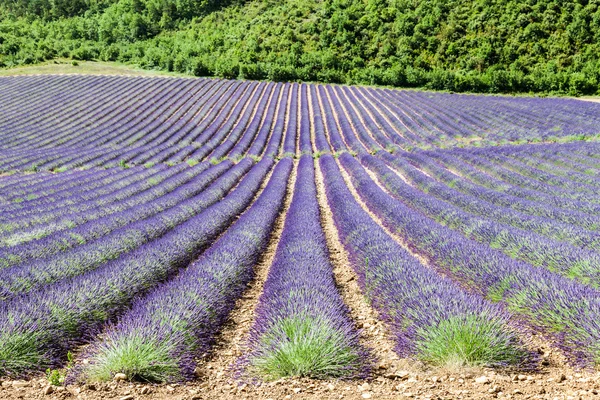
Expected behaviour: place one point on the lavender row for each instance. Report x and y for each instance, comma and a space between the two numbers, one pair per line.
579, 217
563, 185
89, 255
96, 226
302, 327
168, 329
430, 317
565, 311
508, 186
563, 232
117, 191
37, 329
563, 258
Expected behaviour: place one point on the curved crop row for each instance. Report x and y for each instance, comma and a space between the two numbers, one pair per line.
431, 318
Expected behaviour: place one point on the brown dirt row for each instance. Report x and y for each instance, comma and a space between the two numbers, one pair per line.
272, 129
215, 372
325, 129
337, 117
364, 99
298, 111
341, 93
288, 110
375, 335
241, 114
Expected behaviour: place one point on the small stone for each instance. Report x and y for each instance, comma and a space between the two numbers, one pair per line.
366, 395
529, 377
6, 384
364, 387
91, 386
196, 397
482, 380
330, 386
48, 390
522, 377
296, 390
120, 377
583, 380
145, 390
20, 384
435, 379
517, 391
494, 389
128, 397
402, 374
408, 394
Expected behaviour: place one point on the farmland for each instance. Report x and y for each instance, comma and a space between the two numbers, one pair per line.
162, 228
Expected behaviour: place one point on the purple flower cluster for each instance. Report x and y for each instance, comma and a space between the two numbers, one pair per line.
563, 258
38, 328
428, 313
89, 255
164, 332
302, 326
567, 311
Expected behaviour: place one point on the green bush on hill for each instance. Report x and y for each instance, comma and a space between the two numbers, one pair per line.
545, 46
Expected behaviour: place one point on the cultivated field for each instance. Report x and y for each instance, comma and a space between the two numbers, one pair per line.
263, 239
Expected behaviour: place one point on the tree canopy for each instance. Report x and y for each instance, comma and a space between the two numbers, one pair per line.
544, 46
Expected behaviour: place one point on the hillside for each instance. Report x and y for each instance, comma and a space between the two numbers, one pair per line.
541, 46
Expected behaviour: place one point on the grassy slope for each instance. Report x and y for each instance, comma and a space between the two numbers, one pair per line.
63, 66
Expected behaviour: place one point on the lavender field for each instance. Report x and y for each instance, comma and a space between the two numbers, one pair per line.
134, 213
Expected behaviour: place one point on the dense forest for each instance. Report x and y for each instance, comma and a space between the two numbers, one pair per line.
543, 46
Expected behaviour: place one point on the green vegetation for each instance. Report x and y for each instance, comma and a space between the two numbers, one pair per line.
544, 46
138, 358
311, 348
469, 341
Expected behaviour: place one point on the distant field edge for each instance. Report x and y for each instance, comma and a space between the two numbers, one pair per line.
68, 66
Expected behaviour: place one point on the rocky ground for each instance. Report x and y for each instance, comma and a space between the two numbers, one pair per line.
395, 381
